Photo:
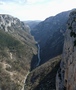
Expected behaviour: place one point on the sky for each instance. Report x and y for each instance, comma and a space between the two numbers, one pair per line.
35, 9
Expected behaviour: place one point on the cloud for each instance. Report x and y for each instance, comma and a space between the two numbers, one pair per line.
35, 9
14, 1
2, 3
37, 1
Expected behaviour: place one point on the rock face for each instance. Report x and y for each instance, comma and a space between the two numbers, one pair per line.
66, 76
9, 23
17, 48
50, 35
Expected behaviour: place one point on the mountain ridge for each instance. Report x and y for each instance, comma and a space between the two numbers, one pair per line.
50, 35
17, 48
43, 77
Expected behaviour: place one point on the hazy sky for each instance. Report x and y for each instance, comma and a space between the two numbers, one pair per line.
35, 9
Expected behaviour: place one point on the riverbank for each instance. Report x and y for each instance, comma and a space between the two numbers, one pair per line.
36, 65
24, 83
39, 59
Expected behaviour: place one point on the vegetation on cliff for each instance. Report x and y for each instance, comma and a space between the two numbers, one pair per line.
17, 48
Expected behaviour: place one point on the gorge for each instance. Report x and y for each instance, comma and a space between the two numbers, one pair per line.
65, 80
50, 35
39, 59
49, 64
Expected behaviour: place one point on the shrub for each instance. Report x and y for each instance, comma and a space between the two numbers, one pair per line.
75, 43
70, 27
72, 34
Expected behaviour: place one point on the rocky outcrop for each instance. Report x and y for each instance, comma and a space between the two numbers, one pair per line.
9, 23
66, 76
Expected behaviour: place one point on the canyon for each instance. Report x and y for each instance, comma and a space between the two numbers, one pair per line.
38, 55
50, 35
64, 78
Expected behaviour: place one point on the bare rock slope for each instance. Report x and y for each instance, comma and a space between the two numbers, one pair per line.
17, 48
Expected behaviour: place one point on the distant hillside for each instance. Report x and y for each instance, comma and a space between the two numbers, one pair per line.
17, 48
32, 24
44, 76
50, 35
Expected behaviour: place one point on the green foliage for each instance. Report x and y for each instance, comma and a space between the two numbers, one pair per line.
8, 41
70, 27
22, 55
72, 34
6, 83
75, 43
64, 88
43, 75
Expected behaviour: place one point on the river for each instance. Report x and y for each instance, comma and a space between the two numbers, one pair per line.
39, 59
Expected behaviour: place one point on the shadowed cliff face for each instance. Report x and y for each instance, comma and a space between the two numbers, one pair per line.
44, 76
50, 35
66, 76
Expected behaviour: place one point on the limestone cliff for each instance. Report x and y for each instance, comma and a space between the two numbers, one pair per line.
17, 48
66, 76
10, 23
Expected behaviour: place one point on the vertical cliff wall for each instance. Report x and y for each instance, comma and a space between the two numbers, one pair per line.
66, 76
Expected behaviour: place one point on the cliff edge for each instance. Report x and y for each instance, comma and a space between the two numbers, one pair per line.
66, 76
